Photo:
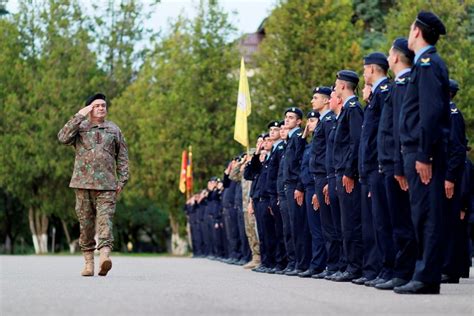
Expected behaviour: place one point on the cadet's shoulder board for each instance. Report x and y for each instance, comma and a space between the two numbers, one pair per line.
352, 104
384, 88
328, 118
425, 62
454, 111
402, 81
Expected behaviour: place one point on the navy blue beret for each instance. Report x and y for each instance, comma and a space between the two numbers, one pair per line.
213, 179
348, 75
312, 114
296, 111
453, 85
322, 90
401, 44
431, 21
97, 96
376, 58
282, 123
273, 124
266, 135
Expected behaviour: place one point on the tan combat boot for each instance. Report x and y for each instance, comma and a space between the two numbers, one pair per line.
105, 264
254, 263
89, 263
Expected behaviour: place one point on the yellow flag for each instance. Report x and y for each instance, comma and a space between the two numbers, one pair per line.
243, 108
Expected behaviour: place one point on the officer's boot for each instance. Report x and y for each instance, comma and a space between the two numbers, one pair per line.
254, 263
89, 263
105, 264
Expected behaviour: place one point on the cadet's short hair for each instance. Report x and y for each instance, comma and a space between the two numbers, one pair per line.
351, 85
403, 57
428, 34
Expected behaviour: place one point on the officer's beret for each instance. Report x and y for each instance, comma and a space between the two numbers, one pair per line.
348, 75
281, 123
97, 96
401, 44
261, 135
453, 85
297, 111
322, 90
376, 58
312, 114
213, 179
273, 124
431, 21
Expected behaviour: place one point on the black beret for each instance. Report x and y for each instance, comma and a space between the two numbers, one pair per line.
296, 111
97, 96
348, 75
312, 114
376, 58
431, 21
261, 135
266, 135
322, 90
453, 85
273, 124
213, 179
281, 123
401, 44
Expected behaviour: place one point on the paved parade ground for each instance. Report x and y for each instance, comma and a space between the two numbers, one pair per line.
52, 285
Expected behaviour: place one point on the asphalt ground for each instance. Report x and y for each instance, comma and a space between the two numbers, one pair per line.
52, 285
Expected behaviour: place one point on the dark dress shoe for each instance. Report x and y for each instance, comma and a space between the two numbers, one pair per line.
241, 262
360, 281
271, 270
417, 287
448, 279
346, 277
283, 271
390, 284
308, 273
332, 276
257, 269
323, 274
293, 272
375, 281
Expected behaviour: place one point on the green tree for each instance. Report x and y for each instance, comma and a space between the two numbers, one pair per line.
306, 43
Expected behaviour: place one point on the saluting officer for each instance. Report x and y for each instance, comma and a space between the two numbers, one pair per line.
346, 147
424, 124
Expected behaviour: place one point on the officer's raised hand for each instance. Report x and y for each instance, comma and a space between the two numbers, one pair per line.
86, 110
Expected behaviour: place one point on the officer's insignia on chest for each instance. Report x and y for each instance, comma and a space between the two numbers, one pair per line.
454, 111
352, 104
384, 88
425, 62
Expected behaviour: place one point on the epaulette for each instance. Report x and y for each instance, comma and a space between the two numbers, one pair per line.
454, 111
352, 104
384, 88
425, 62
401, 81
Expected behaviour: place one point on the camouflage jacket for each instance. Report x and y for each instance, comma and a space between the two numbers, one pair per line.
101, 154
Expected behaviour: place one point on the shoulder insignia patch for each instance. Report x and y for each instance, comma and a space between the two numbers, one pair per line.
299, 134
280, 147
425, 62
401, 81
384, 88
454, 111
352, 104
328, 118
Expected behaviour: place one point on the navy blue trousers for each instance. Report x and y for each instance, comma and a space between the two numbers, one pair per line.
244, 243
372, 263
426, 203
287, 236
232, 232
336, 219
402, 227
318, 246
280, 251
299, 229
351, 225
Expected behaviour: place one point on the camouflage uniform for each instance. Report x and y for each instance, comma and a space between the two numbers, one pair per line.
250, 222
101, 166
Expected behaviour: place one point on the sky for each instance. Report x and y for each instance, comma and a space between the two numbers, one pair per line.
249, 13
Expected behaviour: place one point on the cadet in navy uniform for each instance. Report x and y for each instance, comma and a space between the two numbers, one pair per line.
400, 60
320, 103
271, 189
371, 263
283, 205
375, 73
291, 171
306, 186
346, 146
454, 245
424, 124
230, 217
330, 192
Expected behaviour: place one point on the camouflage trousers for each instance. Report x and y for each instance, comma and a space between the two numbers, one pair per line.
251, 232
95, 210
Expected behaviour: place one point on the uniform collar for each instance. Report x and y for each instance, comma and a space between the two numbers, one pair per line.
347, 101
421, 52
323, 114
293, 131
275, 144
402, 72
377, 83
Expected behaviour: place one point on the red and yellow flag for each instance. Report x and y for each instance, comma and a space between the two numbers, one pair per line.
182, 177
